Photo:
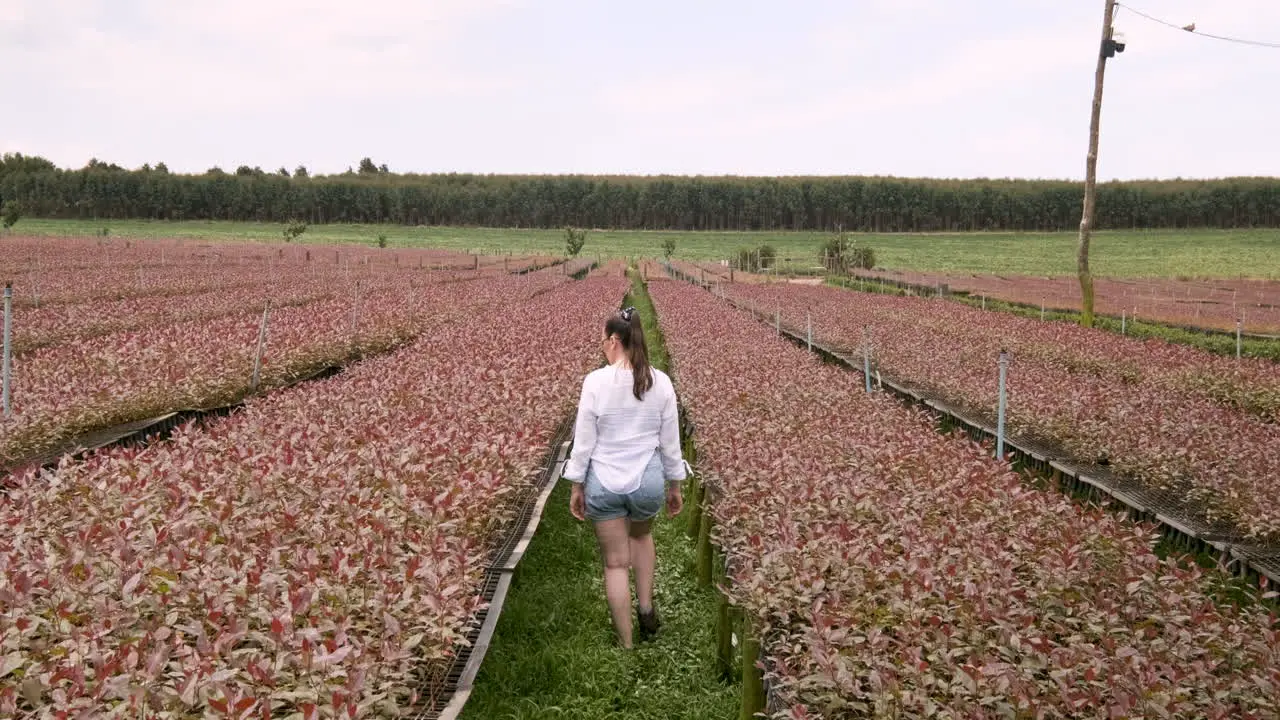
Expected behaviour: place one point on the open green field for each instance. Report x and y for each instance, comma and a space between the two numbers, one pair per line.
1155, 253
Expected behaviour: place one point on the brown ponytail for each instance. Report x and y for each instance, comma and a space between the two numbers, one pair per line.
626, 325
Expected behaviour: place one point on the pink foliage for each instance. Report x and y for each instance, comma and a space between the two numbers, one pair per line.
897, 572
1198, 426
317, 554
132, 337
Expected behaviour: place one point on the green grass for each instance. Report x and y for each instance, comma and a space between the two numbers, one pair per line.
1155, 253
554, 654
639, 298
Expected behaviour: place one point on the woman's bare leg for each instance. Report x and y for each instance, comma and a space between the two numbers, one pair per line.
615, 546
643, 561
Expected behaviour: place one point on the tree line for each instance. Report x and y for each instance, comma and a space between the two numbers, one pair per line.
373, 194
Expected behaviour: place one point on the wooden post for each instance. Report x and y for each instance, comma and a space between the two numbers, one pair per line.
1091, 173
704, 552
753, 700
695, 503
724, 638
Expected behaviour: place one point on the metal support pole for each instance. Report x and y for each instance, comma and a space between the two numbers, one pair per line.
8, 345
355, 304
1124, 322
1041, 309
1004, 373
257, 355
866, 358
777, 321
808, 319
1239, 333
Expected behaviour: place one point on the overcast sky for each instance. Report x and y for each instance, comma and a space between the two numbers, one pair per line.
941, 88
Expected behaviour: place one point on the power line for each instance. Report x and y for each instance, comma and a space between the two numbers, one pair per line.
1191, 29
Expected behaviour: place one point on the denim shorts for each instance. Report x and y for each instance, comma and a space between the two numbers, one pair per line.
643, 503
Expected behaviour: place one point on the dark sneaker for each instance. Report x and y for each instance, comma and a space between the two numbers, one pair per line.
648, 623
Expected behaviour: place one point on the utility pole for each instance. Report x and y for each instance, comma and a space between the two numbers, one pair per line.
1108, 48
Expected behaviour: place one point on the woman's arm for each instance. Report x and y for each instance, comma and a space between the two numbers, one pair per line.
673, 466
584, 435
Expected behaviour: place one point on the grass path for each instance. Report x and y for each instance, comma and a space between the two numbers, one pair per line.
554, 654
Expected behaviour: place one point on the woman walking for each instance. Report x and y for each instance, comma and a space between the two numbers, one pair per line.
625, 460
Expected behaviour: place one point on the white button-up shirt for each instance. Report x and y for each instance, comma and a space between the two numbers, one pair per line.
618, 434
